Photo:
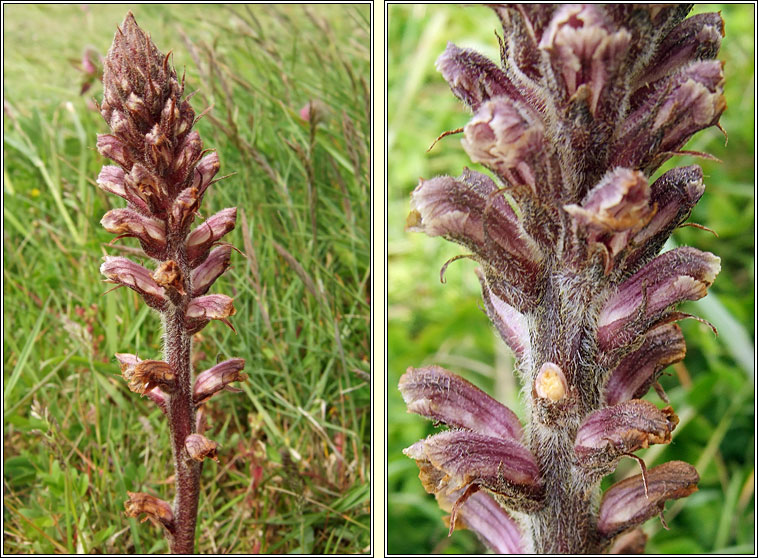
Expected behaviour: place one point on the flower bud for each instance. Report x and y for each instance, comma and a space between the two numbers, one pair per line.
187, 156
126, 272
158, 149
202, 238
218, 378
199, 447
184, 208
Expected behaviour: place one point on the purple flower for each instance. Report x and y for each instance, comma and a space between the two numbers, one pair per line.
588, 102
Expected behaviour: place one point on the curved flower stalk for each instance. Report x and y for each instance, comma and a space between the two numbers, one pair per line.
589, 101
163, 173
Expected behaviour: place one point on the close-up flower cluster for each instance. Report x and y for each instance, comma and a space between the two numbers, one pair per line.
587, 103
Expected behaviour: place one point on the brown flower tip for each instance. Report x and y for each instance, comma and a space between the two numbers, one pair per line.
156, 510
199, 447
144, 375
169, 276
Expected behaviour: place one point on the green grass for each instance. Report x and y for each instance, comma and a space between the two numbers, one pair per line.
294, 463
428, 322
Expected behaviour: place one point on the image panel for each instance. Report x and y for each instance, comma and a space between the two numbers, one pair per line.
555, 173
215, 160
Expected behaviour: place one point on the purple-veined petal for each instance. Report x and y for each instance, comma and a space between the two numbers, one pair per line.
481, 514
209, 307
505, 138
625, 504
641, 300
132, 275
461, 458
510, 323
150, 232
473, 78
218, 378
442, 396
202, 238
675, 193
470, 211
663, 346
204, 172
608, 433
211, 269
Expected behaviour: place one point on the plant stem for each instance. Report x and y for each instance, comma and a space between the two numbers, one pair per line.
181, 415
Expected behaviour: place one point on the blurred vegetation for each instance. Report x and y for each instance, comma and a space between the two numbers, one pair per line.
428, 322
295, 446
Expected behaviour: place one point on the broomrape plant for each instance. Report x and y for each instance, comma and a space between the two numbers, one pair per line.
163, 173
588, 101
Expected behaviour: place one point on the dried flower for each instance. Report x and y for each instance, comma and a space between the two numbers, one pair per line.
590, 100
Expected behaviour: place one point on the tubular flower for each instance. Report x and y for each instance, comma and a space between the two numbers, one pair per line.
587, 103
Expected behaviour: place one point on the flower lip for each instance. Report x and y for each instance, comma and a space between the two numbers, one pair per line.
442, 396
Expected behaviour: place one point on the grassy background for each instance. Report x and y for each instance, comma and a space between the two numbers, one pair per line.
295, 446
712, 390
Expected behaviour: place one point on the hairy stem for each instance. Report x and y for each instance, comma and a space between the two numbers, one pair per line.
181, 410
